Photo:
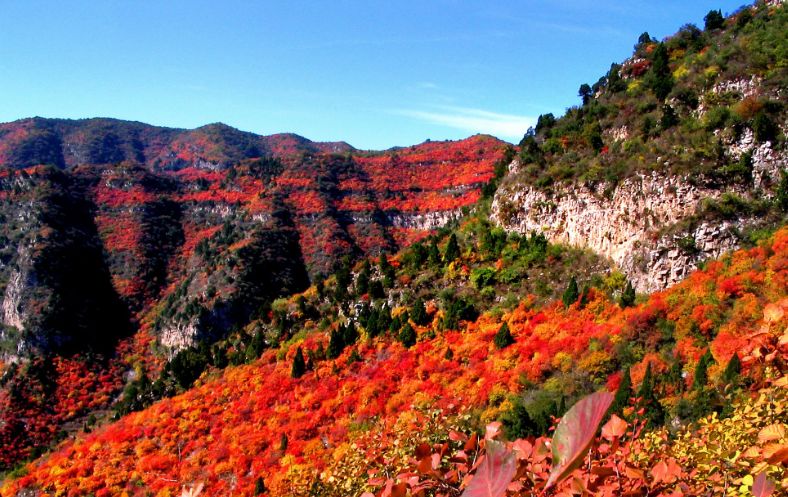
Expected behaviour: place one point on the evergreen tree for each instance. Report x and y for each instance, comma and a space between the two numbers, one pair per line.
418, 313
660, 78
503, 338
407, 336
349, 334
259, 486
669, 118
653, 411
335, 345
299, 365
571, 294
781, 195
362, 282
714, 20
702, 371
452, 250
623, 394
585, 93
376, 290
387, 270
517, 423
628, 295
732, 370
433, 255
283, 442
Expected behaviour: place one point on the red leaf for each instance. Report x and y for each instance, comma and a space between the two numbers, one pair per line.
762, 486
575, 433
616, 427
494, 473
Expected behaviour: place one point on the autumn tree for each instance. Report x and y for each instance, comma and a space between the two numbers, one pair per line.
503, 337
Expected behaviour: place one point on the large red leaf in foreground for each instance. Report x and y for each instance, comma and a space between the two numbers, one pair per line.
574, 434
494, 473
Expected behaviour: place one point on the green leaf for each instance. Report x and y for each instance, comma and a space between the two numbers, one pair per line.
574, 434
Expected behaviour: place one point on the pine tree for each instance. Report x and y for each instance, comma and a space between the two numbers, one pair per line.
362, 282
259, 486
623, 394
571, 294
732, 370
433, 255
387, 270
418, 313
283, 442
407, 336
349, 334
653, 411
628, 295
714, 20
660, 78
335, 345
503, 338
702, 371
452, 251
299, 365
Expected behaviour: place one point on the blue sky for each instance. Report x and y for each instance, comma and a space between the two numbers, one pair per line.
374, 73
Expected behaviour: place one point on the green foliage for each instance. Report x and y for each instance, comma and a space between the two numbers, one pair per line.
259, 486
418, 312
781, 194
483, 277
702, 371
653, 411
336, 344
732, 370
299, 365
452, 250
714, 20
624, 394
585, 93
628, 295
660, 78
571, 294
503, 337
407, 336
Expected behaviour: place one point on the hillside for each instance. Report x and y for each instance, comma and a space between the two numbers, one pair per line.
309, 418
187, 240
673, 156
214, 312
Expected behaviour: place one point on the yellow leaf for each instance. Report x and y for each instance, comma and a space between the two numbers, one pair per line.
772, 432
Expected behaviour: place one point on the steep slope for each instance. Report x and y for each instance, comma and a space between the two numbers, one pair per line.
321, 429
675, 156
185, 240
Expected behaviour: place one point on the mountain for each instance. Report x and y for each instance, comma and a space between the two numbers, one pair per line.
211, 311
673, 156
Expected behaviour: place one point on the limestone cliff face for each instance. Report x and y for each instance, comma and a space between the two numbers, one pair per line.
651, 226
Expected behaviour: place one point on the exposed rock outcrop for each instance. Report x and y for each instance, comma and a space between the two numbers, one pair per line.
648, 224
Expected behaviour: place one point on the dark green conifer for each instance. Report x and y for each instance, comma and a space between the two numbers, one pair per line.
623, 394
418, 313
299, 365
732, 370
571, 294
628, 295
335, 345
452, 251
259, 486
503, 338
407, 336
702, 371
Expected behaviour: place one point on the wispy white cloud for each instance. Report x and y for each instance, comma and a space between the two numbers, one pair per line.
474, 120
